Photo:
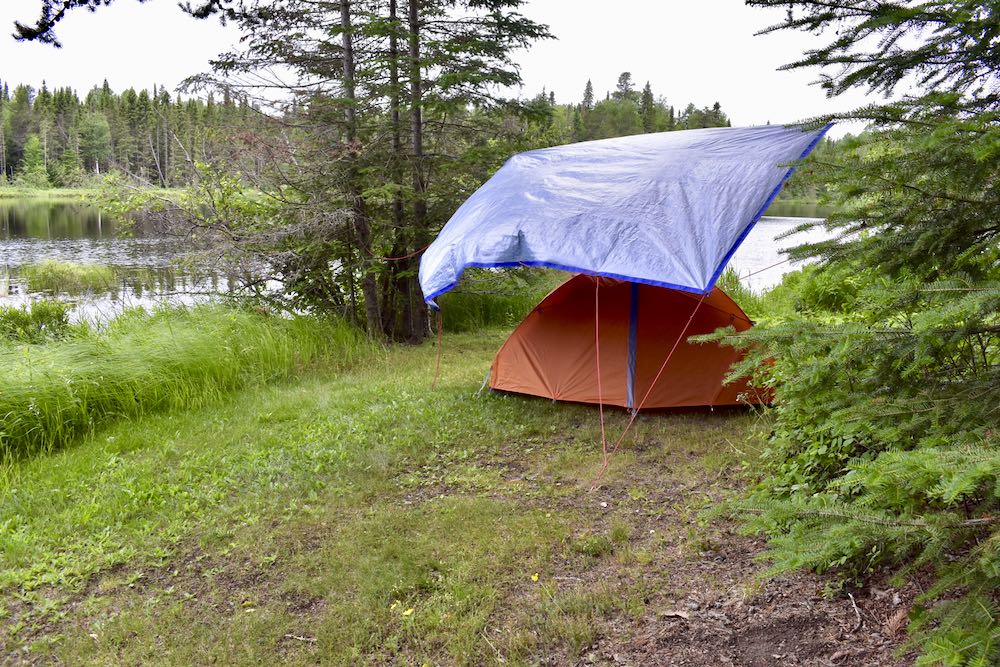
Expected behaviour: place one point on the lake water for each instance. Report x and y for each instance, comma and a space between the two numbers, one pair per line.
149, 269
150, 273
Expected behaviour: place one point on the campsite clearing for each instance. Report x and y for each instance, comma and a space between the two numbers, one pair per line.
359, 517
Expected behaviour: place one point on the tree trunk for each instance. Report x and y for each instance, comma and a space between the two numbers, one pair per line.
419, 320
154, 151
362, 227
398, 306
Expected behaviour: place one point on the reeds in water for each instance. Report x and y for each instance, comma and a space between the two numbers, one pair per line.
58, 277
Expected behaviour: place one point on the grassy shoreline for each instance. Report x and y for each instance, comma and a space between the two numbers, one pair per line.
89, 193
13, 192
174, 358
239, 478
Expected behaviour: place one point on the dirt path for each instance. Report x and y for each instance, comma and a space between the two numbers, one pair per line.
707, 603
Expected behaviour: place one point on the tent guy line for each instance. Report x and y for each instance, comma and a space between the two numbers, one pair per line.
635, 413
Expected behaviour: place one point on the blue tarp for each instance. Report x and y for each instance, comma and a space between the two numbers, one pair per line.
666, 209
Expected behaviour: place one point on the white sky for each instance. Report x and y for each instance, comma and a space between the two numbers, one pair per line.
699, 52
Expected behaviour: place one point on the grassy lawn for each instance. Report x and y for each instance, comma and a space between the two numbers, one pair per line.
357, 516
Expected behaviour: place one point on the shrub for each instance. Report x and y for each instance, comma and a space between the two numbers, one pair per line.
35, 322
496, 298
883, 455
751, 302
816, 289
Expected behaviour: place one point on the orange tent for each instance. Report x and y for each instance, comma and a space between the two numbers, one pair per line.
554, 352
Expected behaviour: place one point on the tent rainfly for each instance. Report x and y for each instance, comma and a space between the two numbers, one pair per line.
666, 210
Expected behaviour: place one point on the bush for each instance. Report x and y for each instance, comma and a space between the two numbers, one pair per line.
751, 302
883, 456
34, 323
815, 288
496, 298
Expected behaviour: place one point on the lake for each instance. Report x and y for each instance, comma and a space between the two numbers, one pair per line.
150, 272
149, 269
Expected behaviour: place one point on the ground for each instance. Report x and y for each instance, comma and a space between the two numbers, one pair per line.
360, 517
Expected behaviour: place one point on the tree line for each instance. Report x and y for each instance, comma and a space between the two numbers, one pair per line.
627, 110
52, 137
622, 112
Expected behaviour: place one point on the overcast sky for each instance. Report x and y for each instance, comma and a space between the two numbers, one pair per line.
699, 52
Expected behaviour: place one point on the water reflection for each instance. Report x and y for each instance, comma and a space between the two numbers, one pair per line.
53, 219
797, 209
760, 262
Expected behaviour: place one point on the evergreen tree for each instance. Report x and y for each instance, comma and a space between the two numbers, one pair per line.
53, 11
884, 453
33, 173
19, 124
588, 96
624, 90
135, 132
693, 118
95, 141
4, 101
375, 77
647, 109
579, 131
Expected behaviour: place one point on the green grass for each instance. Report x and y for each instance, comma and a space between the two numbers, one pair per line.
36, 322
345, 516
59, 277
89, 193
13, 192
752, 303
173, 359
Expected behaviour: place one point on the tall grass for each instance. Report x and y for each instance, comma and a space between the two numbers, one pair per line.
59, 277
142, 363
10, 191
489, 298
36, 322
752, 303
